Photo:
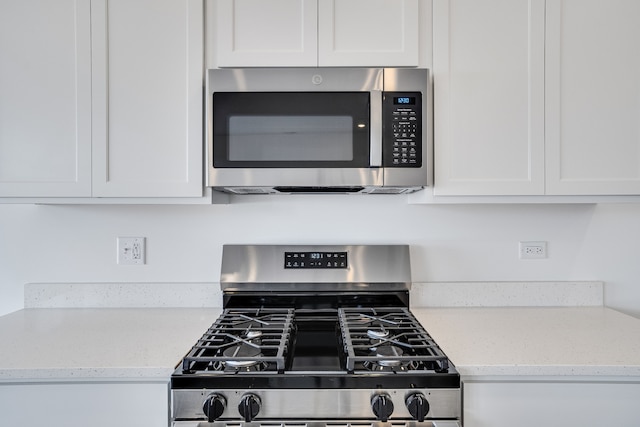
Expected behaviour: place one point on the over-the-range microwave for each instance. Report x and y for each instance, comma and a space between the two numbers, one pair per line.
318, 130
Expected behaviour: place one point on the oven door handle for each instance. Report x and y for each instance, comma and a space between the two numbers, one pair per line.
375, 135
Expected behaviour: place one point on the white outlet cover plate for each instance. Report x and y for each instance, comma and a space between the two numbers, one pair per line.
533, 250
131, 250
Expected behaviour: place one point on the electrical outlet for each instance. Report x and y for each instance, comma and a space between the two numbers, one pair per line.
131, 250
533, 250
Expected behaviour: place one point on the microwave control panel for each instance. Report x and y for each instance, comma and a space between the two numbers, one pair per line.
402, 129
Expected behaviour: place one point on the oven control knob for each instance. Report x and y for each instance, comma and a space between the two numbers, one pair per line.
213, 406
418, 406
249, 407
382, 406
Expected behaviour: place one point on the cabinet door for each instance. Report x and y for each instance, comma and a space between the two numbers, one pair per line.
593, 97
536, 404
147, 98
368, 33
488, 71
85, 404
265, 33
45, 98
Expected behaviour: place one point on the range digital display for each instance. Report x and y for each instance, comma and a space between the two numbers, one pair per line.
315, 260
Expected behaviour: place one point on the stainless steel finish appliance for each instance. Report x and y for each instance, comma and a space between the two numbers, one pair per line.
316, 336
318, 130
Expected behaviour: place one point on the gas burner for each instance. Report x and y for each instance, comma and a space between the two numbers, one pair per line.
252, 335
242, 356
243, 340
388, 358
388, 355
402, 367
387, 339
377, 334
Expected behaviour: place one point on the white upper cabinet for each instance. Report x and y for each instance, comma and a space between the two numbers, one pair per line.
536, 97
147, 98
101, 98
45, 98
368, 33
488, 72
265, 32
593, 97
310, 33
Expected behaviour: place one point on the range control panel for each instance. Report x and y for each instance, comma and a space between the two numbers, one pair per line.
402, 129
315, 260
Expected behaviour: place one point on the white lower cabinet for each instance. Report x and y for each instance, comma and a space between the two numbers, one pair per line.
82, 404
547, 403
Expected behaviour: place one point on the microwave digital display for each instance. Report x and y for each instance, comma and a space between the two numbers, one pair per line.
404, 100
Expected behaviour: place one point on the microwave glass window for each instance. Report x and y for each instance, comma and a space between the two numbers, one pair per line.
291, 138
291, 129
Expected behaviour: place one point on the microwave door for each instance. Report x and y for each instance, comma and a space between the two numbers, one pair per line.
375, 128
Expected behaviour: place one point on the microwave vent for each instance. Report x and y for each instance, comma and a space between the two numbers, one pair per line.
391, 190
249, 190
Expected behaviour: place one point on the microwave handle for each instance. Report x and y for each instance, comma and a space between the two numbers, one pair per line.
375, 137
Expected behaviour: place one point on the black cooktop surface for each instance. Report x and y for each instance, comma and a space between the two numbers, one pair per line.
348, 347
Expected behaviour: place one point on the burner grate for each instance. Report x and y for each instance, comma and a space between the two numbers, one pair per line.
243, 340
388, 339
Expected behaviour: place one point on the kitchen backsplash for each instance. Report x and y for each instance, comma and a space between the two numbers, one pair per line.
441, 294
473, 244
507, 294
69, 295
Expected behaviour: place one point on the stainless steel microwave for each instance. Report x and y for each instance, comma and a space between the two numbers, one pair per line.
318, 130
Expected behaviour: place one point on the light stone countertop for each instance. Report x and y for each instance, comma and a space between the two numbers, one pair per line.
62, 344
145, 344
536, 341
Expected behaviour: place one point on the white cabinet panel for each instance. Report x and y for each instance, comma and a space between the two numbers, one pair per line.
266, 33
535, 404
593, 97
368, 33
85, 404
147, 98
488, 97
45, 98
309, 33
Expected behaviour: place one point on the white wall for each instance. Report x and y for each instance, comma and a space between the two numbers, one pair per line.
40, 243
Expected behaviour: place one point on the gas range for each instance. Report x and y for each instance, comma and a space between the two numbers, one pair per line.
315, 335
